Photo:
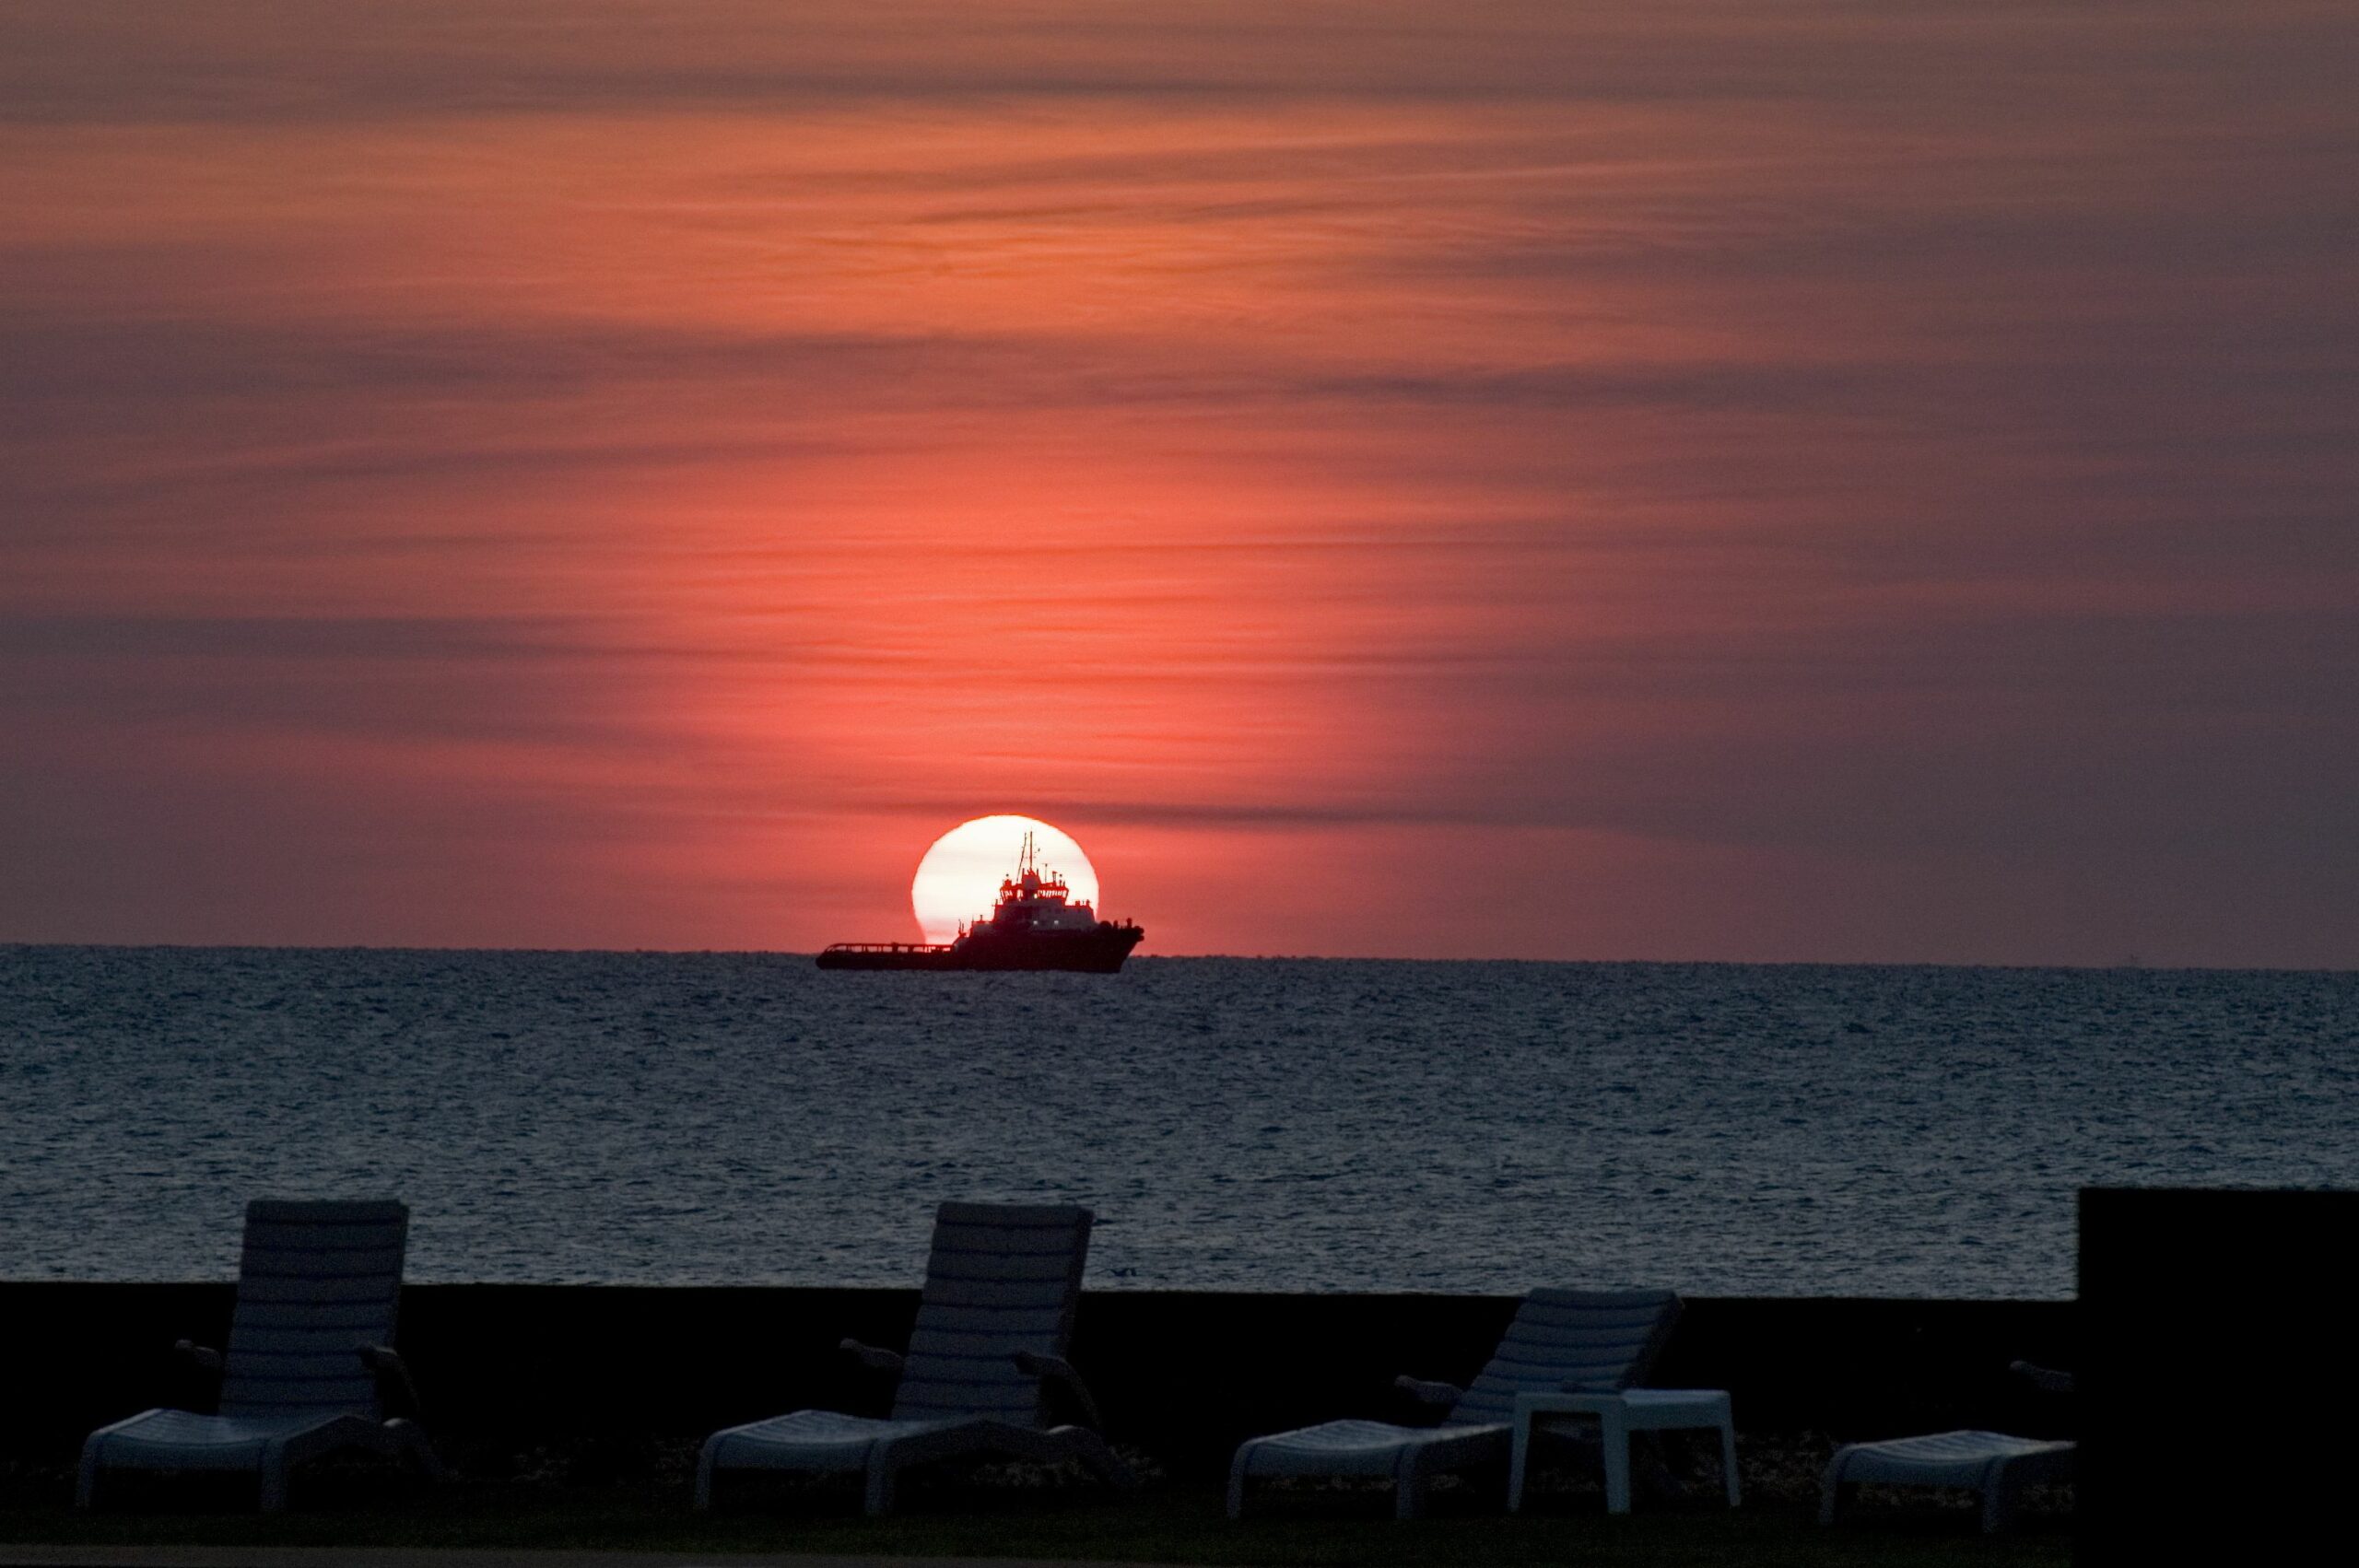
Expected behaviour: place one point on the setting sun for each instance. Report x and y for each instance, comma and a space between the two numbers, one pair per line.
959, 879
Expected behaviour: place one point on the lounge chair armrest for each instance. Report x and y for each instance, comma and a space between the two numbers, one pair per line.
196, 1382
204, 1358
1431, 1393
1059, 1371
874, 1359
396, 1390
2041, 1377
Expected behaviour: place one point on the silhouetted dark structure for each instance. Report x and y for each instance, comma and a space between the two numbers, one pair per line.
2219, 1376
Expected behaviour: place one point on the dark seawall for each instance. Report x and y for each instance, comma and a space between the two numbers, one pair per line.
1181, 1375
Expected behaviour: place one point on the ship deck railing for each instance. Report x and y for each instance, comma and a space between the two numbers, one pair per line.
888, 947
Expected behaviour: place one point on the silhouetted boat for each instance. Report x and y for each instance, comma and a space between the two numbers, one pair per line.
1037, 924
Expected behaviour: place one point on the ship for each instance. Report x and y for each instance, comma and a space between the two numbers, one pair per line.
1037, 924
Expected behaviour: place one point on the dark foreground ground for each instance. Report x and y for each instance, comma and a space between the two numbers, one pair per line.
1004, 1515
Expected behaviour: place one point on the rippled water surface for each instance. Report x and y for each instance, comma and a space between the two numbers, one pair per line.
1264, 1125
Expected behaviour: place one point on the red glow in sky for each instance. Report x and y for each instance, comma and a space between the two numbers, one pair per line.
1696, 481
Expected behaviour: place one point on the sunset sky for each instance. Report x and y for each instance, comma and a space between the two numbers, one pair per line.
1740, 480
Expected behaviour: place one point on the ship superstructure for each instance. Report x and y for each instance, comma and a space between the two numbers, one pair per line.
1037, 924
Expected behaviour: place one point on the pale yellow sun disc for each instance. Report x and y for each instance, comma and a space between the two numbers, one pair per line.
959, 879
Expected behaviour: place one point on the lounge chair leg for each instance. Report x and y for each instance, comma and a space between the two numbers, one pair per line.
1614, 1433
1728, 1463
1097, 1456
1409, 1488
417, 1449
274, 1484
1997, 1504
881, 1471
1236, 1481
86, 1483
704, 1478
1519, 1455
1832, 1494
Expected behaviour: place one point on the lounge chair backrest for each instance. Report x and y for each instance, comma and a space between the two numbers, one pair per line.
316, 1282
1001, 1277
1582, 1341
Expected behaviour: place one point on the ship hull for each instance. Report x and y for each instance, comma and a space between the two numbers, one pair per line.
879, 956
1097, 951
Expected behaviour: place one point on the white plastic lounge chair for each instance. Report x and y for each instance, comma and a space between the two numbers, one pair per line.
991, 1329
1561, 1340
310, 1350
1997, 1466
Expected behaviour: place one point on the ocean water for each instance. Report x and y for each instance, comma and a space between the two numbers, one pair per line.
1236, 1124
